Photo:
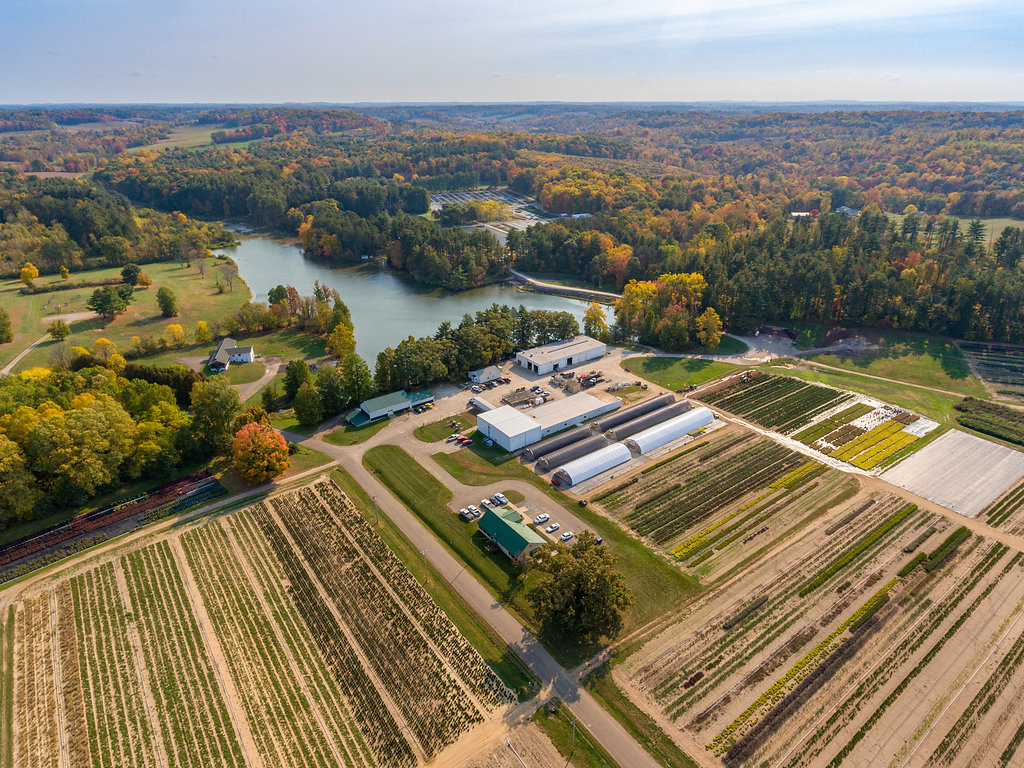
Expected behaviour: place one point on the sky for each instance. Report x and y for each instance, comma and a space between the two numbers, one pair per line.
272, 51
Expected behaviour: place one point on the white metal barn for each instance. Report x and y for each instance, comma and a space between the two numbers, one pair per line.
673, 429
561, 354
508, 427
513, 429
591, 465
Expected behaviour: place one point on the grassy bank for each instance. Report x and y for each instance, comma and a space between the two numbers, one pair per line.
585, 751
350, 435
676, 372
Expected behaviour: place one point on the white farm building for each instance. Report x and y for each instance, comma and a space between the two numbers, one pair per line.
667, 431
561, 354
228, 352
591, 465
513, 429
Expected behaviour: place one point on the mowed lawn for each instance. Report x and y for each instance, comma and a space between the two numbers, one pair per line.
914, 358
198, 299
677, 372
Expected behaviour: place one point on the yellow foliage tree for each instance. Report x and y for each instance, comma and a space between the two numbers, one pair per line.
116, 363
709, 329
29, 273
102, 349
341, 342
203, 333
175, 335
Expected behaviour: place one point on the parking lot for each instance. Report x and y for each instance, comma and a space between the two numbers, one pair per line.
531, 509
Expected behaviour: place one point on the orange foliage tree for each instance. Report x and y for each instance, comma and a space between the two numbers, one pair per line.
259, 453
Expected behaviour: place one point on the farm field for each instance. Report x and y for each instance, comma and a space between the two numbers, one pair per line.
1000, 366
865, 434
198, 299
285, 634
677, 372
959, 471
725, 499
886, 636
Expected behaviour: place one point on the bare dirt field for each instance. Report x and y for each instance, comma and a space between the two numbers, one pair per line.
959, 471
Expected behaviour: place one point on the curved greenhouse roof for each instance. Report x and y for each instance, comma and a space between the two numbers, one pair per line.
670, 430
592, 464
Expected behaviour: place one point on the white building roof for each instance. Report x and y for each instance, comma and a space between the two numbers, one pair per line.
557, 411
672, 429
595, 463
560, 350
508, 421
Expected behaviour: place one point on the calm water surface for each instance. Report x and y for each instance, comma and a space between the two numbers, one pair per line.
386, 306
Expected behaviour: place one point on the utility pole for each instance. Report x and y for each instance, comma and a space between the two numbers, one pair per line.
375, 513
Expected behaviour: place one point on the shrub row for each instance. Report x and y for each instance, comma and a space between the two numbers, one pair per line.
946, 548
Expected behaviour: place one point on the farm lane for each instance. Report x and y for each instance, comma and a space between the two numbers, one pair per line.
557, 680
10, 366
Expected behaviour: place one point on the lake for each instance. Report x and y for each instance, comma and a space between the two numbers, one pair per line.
386, 305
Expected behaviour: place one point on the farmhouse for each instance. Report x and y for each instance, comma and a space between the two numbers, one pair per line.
508, 533
513, 429
387, 406
484, 375
561, 354
227, 352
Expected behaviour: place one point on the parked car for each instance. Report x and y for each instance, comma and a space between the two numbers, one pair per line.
541, 518
552, 528
464, 514
501, 498
566, 536
475, 389
428, 406
466, 443
494, 501
451, 438
474, 509
485, 502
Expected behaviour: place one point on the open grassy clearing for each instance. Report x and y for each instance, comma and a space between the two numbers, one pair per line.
914, 358
198, 299
287, 633
934, 405
350, 435
855, 640
676, 372
183, 137
440, 429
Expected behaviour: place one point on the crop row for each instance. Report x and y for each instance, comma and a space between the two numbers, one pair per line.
778, 402
120, 731
798, 671
828, 424
431, 701
280, 717
878, 453
949, 748
947, 547
867, 440
729, 651
194, 721
1010, 503
921, 539
700, 539
459, 653
376, 723
925, 660
72, 697
37, 741
858, 548
912, 639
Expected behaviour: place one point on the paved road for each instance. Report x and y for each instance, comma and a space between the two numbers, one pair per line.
555, 679
10, 366
602, 295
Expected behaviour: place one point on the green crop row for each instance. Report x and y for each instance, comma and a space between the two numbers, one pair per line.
858, 548
919, 558
947, 547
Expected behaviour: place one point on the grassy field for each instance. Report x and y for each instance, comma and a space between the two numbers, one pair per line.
240, 373
350, 435
494, 651
657, 586
183, 137
913, 358
676, 372
439, 430
198, 299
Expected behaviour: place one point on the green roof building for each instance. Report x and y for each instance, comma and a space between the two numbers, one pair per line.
509, 534
388, 405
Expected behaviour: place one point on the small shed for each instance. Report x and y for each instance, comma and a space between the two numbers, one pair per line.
484, 375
